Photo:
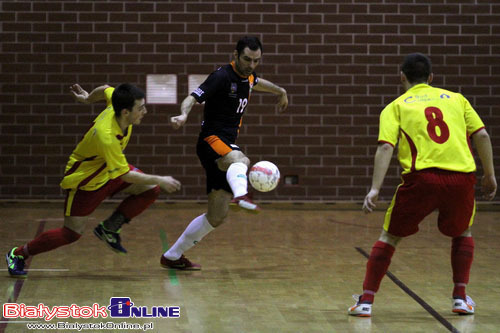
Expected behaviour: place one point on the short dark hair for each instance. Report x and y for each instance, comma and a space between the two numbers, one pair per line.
417, 67
253, 43
124, 97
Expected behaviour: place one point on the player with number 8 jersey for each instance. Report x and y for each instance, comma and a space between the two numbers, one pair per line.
432, 128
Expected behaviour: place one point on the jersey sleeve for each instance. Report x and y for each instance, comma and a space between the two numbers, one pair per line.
389, 125
472, 119
116, 161
207, 89
108, 92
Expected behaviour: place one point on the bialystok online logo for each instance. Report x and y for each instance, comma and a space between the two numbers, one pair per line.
119, 307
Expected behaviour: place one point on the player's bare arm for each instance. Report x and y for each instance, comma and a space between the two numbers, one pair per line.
381, 165
166, 183
268, 86
82, 96
483, 146
186, 106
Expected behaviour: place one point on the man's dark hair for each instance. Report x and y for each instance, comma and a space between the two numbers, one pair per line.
124, 97
253, 43
417, 67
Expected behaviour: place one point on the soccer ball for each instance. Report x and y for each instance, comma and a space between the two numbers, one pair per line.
264, 176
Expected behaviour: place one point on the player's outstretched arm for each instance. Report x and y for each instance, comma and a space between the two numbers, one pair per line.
186, 106
382, 161
82, 96
268, 86
166, 183
483, 146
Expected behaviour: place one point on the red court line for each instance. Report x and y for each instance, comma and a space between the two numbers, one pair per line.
19, 282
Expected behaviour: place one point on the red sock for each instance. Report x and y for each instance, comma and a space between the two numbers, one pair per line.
376, 267
136, 204
462, 253
49, 240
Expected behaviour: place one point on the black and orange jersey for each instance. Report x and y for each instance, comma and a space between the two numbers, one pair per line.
226, 95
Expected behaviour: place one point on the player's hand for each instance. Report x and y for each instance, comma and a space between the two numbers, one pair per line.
178, 121
370, 199
282, 101
79, 94
169, 184
488, 187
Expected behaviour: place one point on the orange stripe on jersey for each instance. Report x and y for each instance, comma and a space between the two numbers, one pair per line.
217, 145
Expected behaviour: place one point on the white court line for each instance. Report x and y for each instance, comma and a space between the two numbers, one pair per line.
57, 219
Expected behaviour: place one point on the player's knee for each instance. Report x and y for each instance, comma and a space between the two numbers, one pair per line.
153, 193
69, 235
246, 160
75, 224
389, 238
216, 219
453, 232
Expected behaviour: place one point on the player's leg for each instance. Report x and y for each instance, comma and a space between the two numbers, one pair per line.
456, 216
215, 152
50, 239
141, 197
218, 203
236, 164
408, 208
376, 267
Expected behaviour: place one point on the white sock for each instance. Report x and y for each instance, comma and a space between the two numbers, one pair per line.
236, 176
195, 231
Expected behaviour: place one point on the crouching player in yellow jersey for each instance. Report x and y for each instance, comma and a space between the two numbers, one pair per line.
432, 128
98, 169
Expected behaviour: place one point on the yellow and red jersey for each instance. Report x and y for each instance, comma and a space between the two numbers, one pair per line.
99, 155
433, 127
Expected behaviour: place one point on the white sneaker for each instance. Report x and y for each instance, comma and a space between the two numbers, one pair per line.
360, 309
463, 307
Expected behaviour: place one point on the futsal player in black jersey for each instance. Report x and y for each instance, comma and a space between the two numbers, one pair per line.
226, 93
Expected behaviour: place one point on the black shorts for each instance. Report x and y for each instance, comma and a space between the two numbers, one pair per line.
209, 149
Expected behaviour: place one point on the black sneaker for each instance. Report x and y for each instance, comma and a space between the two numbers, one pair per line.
111, 238
15, 264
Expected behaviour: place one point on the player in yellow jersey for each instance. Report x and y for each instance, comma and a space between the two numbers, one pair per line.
98, 169
432, 128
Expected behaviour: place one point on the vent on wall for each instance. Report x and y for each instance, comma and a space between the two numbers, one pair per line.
161, 89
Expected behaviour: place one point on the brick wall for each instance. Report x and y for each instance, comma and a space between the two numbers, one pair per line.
337, 59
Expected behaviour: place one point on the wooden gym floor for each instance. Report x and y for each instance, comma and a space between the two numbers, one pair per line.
285, 270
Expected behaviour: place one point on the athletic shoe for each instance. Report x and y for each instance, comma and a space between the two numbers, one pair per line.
463, 307
111, 238
15, 264
245, 202
182, 264
360, 309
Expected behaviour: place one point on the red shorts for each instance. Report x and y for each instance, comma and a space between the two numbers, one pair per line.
451, 193
83, 203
